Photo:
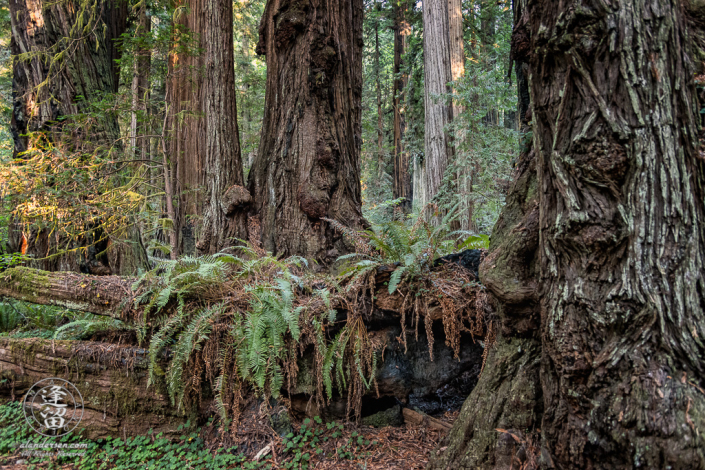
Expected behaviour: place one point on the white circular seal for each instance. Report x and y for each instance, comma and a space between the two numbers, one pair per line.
53, 407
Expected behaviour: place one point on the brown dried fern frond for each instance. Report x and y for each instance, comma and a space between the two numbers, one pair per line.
361, 244
421, 220
254, 232
490, 340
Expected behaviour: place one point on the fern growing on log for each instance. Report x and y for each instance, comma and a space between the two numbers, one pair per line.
240, 323
412, 248
262, 335
91, 324
189, 341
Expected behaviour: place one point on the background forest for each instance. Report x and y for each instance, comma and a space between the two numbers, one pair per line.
113, 150
130, 177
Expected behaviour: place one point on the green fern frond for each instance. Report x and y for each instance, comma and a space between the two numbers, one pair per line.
88, 326
350, 256
396, 277
475, 242
159, 340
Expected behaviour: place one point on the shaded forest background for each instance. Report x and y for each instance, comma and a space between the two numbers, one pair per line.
129, 176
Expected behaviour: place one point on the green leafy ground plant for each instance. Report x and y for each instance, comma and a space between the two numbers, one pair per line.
149, 452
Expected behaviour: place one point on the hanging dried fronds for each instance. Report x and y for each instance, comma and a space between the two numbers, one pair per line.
242, 323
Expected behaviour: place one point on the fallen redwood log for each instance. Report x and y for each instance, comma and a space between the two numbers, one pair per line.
112, 380
101, 295
406, 371
109, 295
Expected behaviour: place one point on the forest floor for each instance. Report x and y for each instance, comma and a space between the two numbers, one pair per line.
405, 447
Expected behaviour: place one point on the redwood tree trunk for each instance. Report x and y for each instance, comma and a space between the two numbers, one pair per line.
185, 127
378, 86
204, 140
68, 64
457, 50
622, 236
437, 73
402, 187
225, 198
487, 39
139, 127
617, 196
463, 181
308, 164
86, 67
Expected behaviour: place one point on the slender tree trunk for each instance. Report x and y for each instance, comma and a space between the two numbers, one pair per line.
487, 25
437, 73
402, 187
308, 164
169, 187
419, 183
378, 85
619, 304
457, 50
226, 198
139, 126
463, 180
510, 116
185, 127
245, 108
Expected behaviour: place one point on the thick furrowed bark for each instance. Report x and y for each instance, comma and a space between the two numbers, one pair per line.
87, 68
619, 260
101, 295
621, 331
622, 237
308, 163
